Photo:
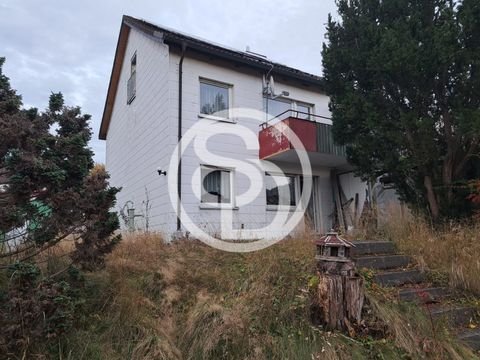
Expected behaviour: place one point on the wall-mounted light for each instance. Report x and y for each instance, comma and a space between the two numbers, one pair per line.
162, 172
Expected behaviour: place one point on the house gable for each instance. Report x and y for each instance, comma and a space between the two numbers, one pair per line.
176, 40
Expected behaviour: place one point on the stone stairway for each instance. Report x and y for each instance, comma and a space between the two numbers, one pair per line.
396, 270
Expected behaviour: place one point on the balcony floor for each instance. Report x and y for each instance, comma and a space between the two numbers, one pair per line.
316, 159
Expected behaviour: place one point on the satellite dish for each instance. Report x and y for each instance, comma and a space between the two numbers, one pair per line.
272, 86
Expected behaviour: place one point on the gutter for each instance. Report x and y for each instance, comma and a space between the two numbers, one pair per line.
179, 138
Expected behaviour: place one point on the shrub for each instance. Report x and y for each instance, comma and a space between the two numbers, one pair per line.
35, 309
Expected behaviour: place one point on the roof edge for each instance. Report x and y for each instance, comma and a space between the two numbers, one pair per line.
176, 38
211, 48
114, 79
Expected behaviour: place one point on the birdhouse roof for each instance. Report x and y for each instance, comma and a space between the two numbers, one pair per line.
333, 239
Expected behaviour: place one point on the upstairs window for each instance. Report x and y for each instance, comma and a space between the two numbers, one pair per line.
216, 185
133, 63
214, 98
280, 190
304, 110
132, 81
275, 107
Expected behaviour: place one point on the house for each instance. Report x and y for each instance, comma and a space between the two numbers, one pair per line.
164, 84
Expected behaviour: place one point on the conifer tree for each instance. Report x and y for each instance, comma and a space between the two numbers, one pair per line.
403, 77
49, 188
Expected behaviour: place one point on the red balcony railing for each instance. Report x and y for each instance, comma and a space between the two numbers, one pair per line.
315, 136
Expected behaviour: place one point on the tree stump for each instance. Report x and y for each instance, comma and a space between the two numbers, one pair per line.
340, 296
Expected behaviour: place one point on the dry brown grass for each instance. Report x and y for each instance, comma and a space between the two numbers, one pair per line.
185, 300
453, 249
410, 329
188, 301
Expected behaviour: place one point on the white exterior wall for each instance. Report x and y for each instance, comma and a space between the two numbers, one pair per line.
141, 135
246, 92
352, 185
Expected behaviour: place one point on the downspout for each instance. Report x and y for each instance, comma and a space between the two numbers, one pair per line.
179, 138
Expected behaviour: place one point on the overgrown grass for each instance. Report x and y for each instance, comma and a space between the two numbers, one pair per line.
409, 327
188, 301
451, 252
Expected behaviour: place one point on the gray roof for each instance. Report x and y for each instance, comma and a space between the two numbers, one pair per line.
176, 38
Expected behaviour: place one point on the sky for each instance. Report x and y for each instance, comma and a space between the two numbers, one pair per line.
68, 46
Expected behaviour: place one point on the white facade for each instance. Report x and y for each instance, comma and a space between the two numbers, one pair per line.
142, 134
142, 137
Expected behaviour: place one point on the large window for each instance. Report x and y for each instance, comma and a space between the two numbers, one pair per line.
214, 98
278, 106
280, 190
304, 110
275, 107
216, 185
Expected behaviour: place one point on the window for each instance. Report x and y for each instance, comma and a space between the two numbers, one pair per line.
280, 190
133, 63
132, 81
216, 185
304, 110
275, 107
214, 98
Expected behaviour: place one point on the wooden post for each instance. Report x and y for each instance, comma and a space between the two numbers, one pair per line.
338, 200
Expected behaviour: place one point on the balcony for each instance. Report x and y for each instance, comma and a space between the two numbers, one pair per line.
315, 135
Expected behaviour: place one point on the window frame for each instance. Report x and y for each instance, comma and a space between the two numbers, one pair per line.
293, 106
133, 63
272, 207
278, 99
219, 84
304, 104
133, 73
215, 205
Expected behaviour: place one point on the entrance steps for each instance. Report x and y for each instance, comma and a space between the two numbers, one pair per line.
392, 269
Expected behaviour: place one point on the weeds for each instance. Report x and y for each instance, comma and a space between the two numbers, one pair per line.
185, 300
451, 252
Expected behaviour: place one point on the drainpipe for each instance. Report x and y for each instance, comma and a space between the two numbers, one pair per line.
179, 137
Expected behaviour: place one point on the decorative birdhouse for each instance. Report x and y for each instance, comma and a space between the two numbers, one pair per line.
333, 254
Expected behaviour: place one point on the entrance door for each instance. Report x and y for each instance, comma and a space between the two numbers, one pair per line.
314, 208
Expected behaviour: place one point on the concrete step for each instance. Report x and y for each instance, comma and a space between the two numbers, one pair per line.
423, 295
382, 262
471, 337
454, 315
373, 247
397, 278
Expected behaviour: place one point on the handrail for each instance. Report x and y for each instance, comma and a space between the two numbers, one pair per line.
309, 117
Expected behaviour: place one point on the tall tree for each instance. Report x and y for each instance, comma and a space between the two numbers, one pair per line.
48, 187
404, 82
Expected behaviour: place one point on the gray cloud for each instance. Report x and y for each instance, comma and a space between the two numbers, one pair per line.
67, 46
